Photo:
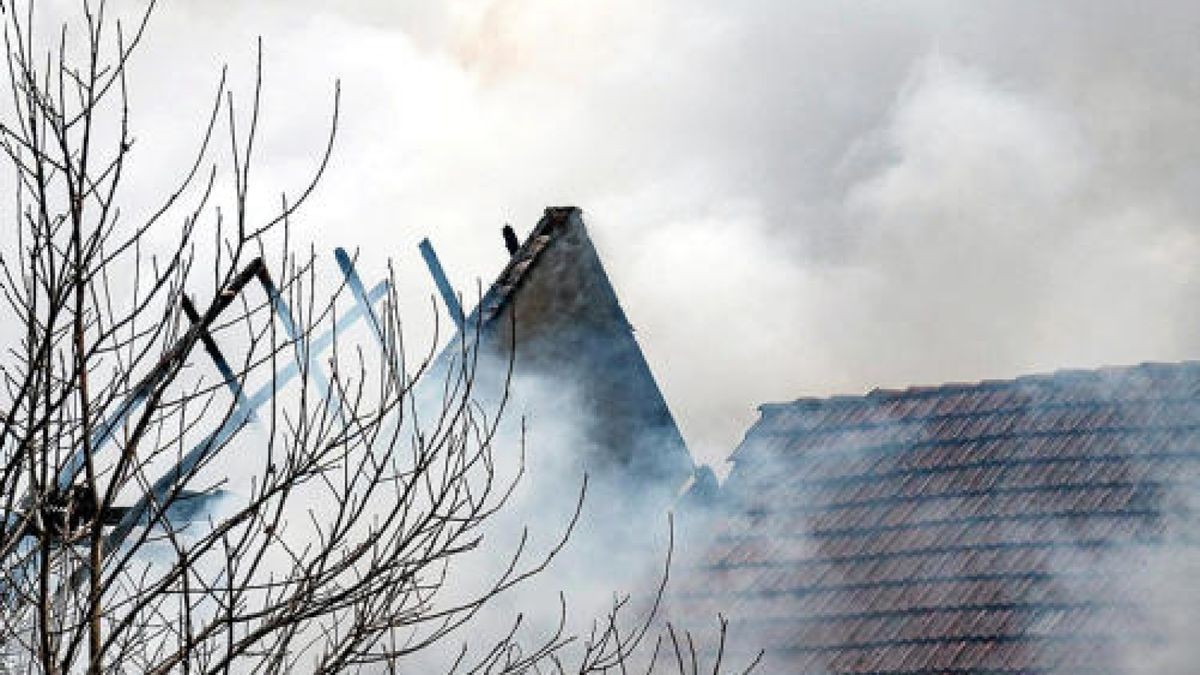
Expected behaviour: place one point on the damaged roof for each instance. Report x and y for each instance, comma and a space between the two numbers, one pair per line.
514, 274
988, 527
554, 301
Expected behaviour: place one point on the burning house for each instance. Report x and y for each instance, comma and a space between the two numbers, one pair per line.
998, 526
553, 315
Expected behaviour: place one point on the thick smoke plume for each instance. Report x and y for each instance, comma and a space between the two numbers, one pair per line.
792, 198
837, 196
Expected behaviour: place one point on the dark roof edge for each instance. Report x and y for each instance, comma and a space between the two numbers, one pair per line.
513, 275
1063, 376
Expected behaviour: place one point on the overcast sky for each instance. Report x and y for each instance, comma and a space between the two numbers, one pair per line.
792, 198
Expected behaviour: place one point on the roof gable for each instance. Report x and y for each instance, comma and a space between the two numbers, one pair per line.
555, 303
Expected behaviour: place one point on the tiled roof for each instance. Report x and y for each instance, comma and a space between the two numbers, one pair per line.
967, 527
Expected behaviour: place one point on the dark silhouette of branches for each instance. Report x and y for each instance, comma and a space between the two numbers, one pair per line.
200, 473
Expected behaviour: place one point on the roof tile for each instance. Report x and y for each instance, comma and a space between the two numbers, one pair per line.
949, 528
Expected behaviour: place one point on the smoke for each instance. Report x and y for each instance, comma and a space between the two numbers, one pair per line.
1164, 585
1069, 501
827, 197
792, 198
602, 539
1149, 576
983, 190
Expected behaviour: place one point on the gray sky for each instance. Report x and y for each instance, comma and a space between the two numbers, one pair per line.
793, 198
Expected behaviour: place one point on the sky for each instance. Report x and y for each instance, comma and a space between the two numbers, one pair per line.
792, 198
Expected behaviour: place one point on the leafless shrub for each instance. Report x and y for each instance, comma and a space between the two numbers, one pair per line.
336, 546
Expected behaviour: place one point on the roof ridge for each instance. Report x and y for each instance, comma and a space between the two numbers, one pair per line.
523, 259
1055, 377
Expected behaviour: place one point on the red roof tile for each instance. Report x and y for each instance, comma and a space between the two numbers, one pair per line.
947, 528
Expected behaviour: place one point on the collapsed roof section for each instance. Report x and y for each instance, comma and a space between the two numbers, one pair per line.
554, 310
988, 527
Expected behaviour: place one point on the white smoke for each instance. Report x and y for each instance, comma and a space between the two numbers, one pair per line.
791, 197
837, 196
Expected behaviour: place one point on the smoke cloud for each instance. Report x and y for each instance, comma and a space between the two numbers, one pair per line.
791, 197
836, 197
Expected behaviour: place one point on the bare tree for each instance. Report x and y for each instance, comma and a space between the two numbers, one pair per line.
121, 412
